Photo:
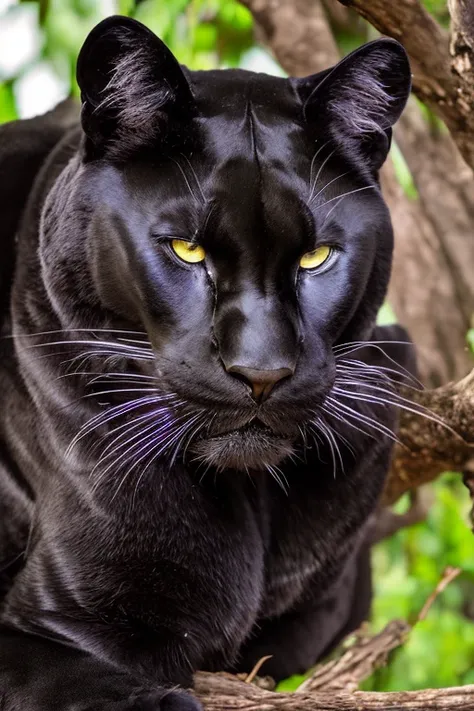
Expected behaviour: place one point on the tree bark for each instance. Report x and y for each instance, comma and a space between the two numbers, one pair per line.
222, 692
426, 448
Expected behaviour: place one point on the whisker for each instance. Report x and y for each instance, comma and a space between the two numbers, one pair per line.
196, 179
112, 413
351, 192
399, 401
333, 445
361, 367
330, 410
332, 210
191, 191
145, 441
75, 330
123, 439
108, 376
321, 167
187, 437
163, 445
356, 345
374, 424
272, 471
342, 175
311, 184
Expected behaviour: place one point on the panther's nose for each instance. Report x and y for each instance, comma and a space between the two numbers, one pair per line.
261, 382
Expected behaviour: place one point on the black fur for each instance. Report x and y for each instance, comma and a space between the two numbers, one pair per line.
225, 527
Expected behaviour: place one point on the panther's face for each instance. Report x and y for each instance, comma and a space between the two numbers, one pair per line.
235, 221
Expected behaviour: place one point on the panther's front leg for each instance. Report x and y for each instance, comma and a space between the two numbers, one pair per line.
39, 675
115, 611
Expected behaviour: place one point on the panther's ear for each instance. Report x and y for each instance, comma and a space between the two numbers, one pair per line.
361, 98
132, 89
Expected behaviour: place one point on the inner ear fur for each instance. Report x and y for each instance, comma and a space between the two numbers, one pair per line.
132, 88
361, 97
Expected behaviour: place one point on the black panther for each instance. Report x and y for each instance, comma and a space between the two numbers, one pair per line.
197, 406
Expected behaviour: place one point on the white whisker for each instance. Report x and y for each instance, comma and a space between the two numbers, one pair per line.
321, 167
351, 192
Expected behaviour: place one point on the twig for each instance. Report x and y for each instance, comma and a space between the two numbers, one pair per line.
448, 575
257, 668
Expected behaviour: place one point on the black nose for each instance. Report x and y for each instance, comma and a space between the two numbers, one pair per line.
262, 382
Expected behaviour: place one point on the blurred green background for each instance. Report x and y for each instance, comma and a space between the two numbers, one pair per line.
39, 42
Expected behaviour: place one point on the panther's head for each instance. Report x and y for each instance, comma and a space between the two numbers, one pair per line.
234, 221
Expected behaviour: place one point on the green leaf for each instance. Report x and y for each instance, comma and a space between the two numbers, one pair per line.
470, 339
402, 172
7, 103
386, 315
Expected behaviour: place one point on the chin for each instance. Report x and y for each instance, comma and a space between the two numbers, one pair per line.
246, 448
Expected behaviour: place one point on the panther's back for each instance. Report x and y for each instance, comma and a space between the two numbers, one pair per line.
23, 147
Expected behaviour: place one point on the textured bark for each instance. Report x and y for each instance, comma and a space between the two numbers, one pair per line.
442, 68
429, 449
222, 692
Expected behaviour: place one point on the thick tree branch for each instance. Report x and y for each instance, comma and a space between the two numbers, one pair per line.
442, 70
222, 692
428, 449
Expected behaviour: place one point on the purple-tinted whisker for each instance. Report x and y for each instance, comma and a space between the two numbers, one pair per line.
150, 450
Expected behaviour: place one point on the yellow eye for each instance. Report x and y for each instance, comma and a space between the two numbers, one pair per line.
316, 258
187, 251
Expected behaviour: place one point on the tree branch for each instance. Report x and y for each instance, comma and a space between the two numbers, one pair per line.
442, 69
427, 448
223, 692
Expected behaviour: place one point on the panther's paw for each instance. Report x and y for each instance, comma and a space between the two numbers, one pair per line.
162, 701
179, 701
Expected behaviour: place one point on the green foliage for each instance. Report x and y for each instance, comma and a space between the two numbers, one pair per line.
439, 10
470, 339
407, 567
386, 316
402, 172
7, 102
204, 34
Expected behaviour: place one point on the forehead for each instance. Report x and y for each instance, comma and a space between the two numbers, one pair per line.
253, 153
247, 120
